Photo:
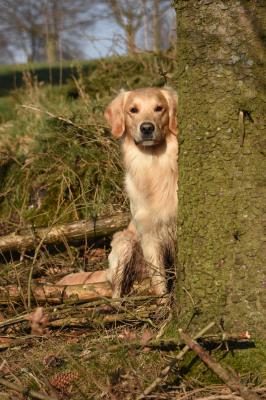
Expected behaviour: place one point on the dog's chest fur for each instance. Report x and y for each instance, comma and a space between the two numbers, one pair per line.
151, 182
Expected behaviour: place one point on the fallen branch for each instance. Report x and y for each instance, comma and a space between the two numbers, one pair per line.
229, 378
57, 294
99, 312
79, 230
80, 287
98, 319
25, 391
220, 397
92, 316
168, 368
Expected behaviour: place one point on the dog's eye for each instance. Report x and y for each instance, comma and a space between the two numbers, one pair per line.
134, 110
158, 108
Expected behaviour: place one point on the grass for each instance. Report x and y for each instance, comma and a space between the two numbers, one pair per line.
56, 171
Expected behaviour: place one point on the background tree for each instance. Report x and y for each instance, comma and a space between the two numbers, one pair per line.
129, 16
144, 22
221, 84
55, 29
46, 29
161, 24
5, 52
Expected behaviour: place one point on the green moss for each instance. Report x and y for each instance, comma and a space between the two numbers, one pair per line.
247, 362
248, 359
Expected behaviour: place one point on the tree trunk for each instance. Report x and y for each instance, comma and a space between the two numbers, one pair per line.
51, 48
131, 40
221, 85
156, 28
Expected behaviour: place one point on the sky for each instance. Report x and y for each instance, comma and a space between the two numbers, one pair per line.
107, 37
99, 43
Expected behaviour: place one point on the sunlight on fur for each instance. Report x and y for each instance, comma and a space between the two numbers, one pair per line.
145, 121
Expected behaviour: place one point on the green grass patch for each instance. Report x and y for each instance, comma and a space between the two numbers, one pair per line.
59, 162
7, 109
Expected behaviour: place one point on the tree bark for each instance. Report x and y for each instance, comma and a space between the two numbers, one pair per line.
90, 229
221, 85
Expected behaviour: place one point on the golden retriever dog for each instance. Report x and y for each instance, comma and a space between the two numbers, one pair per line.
145, 120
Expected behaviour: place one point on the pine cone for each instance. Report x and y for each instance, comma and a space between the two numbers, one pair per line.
63, 379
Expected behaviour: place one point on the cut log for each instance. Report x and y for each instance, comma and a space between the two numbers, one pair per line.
30, 238
76, 288
57, 294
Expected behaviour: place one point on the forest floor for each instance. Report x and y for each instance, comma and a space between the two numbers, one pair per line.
58, 164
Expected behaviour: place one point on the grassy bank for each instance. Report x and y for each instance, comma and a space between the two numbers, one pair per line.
58, 162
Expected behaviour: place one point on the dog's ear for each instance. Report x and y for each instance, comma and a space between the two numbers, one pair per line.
115, 115
172, 100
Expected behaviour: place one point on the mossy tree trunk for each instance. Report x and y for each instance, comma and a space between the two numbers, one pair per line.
221, 85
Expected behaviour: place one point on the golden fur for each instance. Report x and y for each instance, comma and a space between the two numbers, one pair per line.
145, 120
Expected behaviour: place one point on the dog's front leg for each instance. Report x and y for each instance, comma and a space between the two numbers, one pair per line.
152, 251
125, 261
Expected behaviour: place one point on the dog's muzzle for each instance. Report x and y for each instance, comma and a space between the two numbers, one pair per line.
147, 133
147, 130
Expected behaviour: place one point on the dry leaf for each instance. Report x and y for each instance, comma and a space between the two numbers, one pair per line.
126, 334
38, 321
245, 335
146, 337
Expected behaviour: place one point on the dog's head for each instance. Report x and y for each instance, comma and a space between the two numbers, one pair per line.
146, 115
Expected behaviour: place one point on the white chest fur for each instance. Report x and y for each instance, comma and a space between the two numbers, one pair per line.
151, 183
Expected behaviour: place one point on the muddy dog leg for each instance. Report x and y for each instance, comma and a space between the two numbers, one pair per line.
125, 262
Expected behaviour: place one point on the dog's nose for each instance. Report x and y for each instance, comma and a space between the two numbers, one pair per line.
147, 129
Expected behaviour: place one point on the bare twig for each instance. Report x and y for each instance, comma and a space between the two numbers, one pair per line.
210, 389
51, 115
230, 379
96, 320
168, 368
62, 310
220, 397
25, 391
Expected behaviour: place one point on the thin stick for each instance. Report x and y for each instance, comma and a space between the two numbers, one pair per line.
197, 391
229, 378
168, 368
51, 115
86, 306
25, 391
220, 397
